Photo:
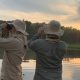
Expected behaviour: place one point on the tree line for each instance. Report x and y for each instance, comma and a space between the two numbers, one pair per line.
71, 35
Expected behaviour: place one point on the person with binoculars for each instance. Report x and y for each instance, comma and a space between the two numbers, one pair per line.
49, 51
13, 40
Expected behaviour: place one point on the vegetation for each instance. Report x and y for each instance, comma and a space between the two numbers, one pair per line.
71, 36
74, 46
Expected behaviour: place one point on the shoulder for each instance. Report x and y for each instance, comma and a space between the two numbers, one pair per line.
63, 45
38, 41
13, 41
10, 43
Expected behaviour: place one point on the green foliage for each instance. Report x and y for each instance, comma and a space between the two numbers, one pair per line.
1, 53
31, 54
32, 28
71, 36
74, 46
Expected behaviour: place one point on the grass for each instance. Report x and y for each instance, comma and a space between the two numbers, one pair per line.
74, 46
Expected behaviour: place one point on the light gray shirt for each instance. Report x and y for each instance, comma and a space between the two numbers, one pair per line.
14, 52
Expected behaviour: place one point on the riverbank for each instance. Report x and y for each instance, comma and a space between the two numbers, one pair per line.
71, 69
75, 46
73, 51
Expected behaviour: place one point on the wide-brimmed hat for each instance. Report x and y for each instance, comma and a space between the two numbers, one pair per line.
54, 27
20, 26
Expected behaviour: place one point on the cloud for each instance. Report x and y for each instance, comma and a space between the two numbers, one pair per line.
65, 11
78, 10
42, 6
76, 16
31, 16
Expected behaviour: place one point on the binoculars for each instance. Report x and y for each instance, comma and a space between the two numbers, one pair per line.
9, 26
3, 33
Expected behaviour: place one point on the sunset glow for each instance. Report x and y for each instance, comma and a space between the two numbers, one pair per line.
65, 11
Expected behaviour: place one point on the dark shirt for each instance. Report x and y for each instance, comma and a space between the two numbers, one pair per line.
49, 57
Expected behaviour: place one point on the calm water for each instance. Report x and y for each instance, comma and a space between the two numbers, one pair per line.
71, 69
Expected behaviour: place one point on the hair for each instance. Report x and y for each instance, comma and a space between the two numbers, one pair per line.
52, 36
4, 34
9, 26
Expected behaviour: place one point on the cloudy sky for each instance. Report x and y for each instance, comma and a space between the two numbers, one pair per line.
65, 11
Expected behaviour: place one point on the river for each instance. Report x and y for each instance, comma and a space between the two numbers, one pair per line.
71, 69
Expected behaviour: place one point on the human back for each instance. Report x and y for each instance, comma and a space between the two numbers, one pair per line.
49, 57
14, 51
49, 52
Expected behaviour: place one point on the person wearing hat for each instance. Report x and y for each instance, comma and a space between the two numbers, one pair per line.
49, 51
13, 46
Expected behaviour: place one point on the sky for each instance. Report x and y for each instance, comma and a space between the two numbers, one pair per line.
65, 11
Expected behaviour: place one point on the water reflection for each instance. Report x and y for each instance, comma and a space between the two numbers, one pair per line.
74, 61
29, 65
71, 69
